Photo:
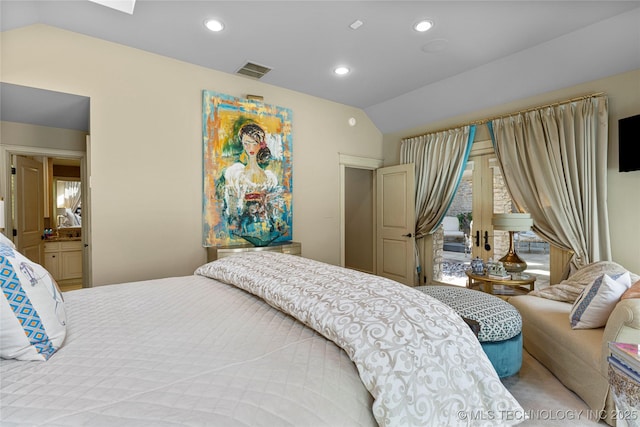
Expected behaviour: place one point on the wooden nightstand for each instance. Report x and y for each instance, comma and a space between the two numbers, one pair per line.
216, 252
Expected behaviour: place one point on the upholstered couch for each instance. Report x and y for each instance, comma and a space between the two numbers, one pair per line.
578, 357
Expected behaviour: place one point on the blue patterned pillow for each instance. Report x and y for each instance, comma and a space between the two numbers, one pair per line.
32, 314
597, 301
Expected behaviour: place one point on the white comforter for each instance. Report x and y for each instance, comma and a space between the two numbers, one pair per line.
186, 351
416, 356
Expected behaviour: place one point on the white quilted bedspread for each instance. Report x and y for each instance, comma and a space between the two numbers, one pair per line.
417, 357
186, 351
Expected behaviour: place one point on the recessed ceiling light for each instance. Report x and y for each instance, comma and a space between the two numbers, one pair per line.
341, 71
214, 25
356, 24
423, 26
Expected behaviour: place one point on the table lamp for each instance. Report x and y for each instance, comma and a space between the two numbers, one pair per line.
512, 222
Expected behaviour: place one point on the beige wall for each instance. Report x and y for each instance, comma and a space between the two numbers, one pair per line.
33, 136
146, 149
623, 188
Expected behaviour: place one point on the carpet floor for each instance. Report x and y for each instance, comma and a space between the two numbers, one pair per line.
545, 400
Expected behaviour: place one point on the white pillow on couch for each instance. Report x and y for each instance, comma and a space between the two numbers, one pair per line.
598, 299
32, 314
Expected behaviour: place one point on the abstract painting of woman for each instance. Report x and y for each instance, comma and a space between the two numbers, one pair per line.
247, 174
250, 192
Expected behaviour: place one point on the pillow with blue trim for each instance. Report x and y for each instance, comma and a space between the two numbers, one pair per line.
598, 299
32, 314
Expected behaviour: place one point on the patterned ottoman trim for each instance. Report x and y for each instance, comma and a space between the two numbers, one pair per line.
498, 319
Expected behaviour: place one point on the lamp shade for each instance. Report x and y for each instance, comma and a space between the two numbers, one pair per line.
512, 222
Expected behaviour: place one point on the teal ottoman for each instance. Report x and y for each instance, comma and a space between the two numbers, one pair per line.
500, 324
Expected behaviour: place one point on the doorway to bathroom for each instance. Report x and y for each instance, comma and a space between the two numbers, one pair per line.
47, 211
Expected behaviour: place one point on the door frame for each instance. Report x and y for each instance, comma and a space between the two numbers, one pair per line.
348, 161
481, 150
6, 153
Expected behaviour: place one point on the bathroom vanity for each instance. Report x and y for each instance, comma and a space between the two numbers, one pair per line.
63, 257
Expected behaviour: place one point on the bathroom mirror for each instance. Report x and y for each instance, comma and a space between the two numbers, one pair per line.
68, 199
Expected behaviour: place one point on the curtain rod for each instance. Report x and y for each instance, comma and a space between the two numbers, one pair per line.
483, 121
553, 104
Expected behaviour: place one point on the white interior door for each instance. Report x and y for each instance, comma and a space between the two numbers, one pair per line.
29, 221
395, 224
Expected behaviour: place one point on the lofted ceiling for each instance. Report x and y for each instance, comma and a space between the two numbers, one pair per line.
490, 51
41, 107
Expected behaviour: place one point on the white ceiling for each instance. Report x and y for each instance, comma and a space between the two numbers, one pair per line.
484, 52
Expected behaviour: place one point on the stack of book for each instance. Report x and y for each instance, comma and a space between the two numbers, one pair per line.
499, 276
497, 271
626, 358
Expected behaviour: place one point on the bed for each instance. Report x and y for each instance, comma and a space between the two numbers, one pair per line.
257, 339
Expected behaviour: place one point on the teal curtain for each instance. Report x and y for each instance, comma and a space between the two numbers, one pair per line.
440, 160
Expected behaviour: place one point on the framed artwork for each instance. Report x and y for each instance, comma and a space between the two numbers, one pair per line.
247, 171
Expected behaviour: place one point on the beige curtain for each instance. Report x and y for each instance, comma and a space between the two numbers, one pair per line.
440, 159
554, 162
68, 194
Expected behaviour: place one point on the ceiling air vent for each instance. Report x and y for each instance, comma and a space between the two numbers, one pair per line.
253, 70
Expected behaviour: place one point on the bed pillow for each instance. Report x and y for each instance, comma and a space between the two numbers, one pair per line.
597, 301
632, 292
4, 240
32, 314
